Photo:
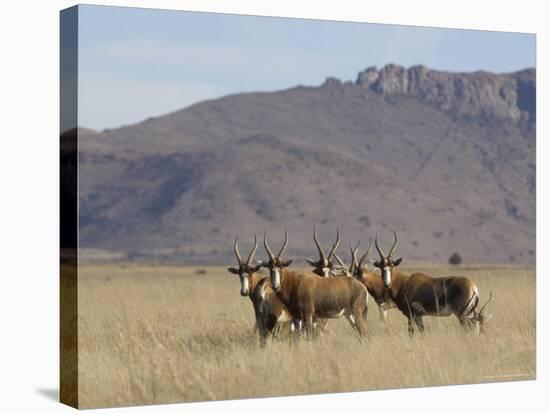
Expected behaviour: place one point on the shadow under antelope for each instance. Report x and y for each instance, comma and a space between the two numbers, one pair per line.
418, 294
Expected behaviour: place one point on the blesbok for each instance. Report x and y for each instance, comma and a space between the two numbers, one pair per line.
269, 310
418, 294
309, 297
371, 280
324, 266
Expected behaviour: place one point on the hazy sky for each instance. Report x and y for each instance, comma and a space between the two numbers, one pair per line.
136, 63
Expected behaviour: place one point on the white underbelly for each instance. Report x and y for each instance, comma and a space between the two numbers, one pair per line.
337, 315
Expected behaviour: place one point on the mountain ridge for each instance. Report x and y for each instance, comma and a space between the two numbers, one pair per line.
457, 174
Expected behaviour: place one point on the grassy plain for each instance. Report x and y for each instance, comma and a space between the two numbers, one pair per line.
159, 334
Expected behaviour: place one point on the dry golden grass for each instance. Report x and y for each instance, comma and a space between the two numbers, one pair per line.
152, 334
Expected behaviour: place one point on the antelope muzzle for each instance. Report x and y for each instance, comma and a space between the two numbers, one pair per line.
245, 289
386, 276
276, 279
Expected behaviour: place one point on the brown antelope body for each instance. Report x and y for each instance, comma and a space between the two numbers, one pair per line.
268, 308
418, 294
309, 297
323, 267
371, 280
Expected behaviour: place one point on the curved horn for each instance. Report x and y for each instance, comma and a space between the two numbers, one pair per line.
266, 245
335, 245
321, 254
340, 261
365, 255
236, 250
251, 255
285, 244
480, 313
380, 252
353, 256
394, 244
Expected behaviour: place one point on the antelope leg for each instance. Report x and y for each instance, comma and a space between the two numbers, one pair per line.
322, 325
419, 322
411, 326
309, 328
383, 314
357, 324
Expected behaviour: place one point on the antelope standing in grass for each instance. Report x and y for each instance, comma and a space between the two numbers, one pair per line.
324, 266
371, 280
309, 297
269, 310
418, 294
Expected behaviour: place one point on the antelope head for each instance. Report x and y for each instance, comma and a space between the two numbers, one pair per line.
386, 263
479, 317
245, 269
342, 269
324, 265
358, 267
275, 263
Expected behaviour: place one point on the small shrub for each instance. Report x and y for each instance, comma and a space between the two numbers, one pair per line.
455, 259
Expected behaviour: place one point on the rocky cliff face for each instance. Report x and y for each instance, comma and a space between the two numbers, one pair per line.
479, 95
446, 159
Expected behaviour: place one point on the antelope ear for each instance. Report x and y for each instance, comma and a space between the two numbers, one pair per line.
264, 264
312, 262
233, 270
257, 267
286, 264
396, 262
378, 264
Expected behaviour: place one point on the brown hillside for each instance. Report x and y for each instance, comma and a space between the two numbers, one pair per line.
446, 159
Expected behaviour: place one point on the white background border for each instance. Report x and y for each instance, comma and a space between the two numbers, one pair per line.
29, 171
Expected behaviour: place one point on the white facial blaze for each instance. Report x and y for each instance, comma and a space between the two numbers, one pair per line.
326, 271
386, 274
244, 284
276, 278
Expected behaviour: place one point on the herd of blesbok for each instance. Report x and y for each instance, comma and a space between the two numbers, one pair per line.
306, 300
